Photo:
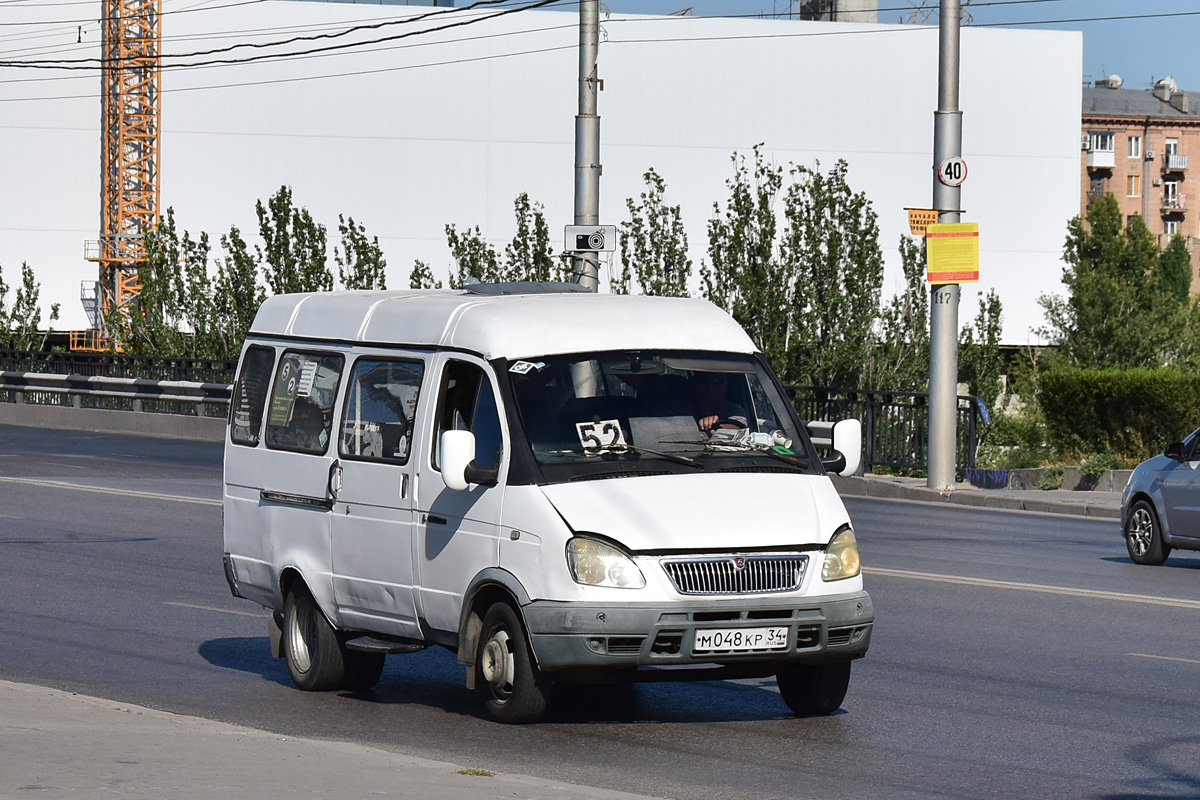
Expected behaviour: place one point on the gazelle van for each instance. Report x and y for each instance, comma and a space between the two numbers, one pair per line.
558, 486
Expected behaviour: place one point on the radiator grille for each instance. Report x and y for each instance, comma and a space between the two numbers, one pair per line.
737, 574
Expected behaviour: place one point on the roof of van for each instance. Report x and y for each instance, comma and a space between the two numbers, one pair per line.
509, 325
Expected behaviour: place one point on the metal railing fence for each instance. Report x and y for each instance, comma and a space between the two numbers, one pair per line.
119, 365
895, 424
191, 398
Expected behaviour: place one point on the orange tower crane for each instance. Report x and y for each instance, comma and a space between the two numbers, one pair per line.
129, 177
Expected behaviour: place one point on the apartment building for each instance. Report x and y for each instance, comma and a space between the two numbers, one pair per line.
1136, 144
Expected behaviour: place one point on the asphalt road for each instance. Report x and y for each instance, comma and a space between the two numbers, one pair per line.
1015, 654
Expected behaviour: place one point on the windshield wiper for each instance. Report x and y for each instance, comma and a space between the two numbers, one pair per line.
742, 446
629, 448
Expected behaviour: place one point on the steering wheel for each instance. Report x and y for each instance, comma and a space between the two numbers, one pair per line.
729, 422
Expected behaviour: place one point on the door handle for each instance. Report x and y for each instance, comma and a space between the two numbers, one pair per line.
433, 520
335, 478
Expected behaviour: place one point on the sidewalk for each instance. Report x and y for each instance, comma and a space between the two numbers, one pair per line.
56, 744
1095, 503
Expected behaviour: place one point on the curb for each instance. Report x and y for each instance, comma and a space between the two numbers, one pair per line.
889, 489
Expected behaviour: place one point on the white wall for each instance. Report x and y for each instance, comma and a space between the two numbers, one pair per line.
412, 147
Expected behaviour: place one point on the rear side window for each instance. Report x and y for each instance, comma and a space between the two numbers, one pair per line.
250, 396
467, 403
301, 414
381, 402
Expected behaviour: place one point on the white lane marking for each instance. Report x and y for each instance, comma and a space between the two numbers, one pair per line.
178, 498
219, 610
1165, 658
1035, 587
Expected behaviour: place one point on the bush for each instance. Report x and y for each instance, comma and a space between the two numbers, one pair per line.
1126, 414
1015, 440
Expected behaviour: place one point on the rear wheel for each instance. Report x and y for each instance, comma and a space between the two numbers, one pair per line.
514, 689
313, 653
1143, 536
812, 690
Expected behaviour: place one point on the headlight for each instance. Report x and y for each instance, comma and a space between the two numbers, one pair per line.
841, 557
595, 563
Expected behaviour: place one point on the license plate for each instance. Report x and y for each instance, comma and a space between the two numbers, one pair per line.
740, 640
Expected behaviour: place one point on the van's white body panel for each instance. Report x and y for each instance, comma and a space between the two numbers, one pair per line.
704, 511
508, 326
387, 549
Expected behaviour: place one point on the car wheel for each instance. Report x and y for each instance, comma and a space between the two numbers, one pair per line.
1143, 536
812, 690
313, 653
362, 670
514, 689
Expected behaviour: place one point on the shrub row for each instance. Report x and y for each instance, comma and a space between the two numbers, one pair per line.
1128, 413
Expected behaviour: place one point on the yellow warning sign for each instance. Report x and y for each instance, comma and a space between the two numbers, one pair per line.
952, 252
919, 218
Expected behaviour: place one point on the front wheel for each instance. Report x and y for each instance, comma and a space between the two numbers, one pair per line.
1143, 536
813, 690
314, 655
514, 689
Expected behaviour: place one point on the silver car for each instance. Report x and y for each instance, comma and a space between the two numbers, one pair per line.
1160, 509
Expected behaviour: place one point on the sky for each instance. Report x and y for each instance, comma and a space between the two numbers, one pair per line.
1131, 38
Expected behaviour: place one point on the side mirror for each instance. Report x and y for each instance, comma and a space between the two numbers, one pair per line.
844, 438
1174, 450
457, 449
847, 442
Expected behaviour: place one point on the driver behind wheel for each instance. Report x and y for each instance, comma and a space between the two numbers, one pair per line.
711, 407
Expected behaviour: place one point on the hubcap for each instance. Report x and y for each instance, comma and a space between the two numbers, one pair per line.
1140, 530
496, 664
298, 643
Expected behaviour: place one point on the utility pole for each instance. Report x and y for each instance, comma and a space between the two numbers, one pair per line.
943, 317
587, 140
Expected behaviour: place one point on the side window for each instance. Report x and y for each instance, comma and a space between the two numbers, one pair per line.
466, 402
250, 396
301, 414
381, 401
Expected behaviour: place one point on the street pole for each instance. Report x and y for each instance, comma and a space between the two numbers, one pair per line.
943, 317
587, 140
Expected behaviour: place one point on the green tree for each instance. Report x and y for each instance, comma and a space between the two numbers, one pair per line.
294, 256
21, 323
980, 364
360, 260
745, 276
237, 294
473, 256
529, 257
900, 358
830, 247
421, 277
151, 325
653, 245
1123, 303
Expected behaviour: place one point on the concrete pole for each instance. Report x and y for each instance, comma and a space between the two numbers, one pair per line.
587, 140
943, 316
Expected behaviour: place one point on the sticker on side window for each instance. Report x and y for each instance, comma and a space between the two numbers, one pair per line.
308, 374
600, 435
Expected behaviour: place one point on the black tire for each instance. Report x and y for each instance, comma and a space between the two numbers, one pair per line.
362, 670
813, 690
1143, 535
310, 645
514, 689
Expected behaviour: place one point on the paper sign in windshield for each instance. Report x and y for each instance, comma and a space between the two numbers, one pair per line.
600, 435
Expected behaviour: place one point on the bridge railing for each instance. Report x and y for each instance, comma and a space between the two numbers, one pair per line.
192, 398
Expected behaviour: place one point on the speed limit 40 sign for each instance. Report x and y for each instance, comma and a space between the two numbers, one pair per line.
952, 171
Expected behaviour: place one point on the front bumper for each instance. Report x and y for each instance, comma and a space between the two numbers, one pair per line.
568, 636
